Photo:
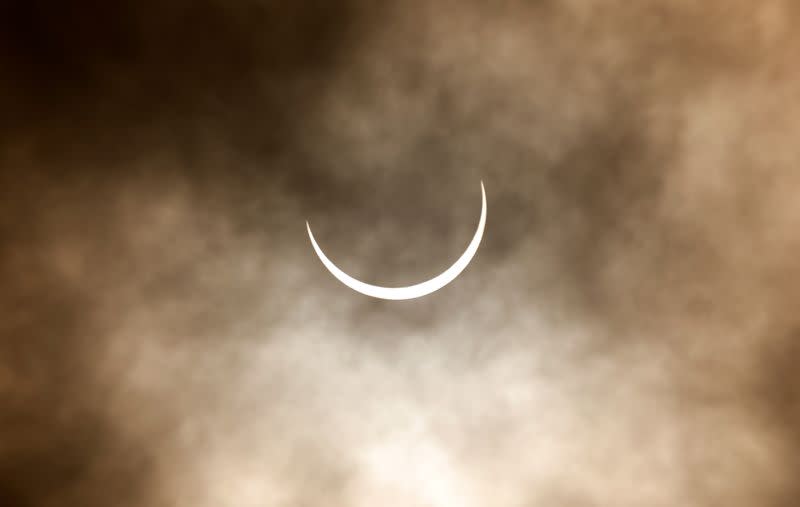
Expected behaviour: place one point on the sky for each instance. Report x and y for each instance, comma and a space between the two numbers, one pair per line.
626, 335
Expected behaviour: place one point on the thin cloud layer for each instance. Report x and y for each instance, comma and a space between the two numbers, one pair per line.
625, 335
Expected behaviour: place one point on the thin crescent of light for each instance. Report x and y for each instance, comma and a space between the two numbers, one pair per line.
412, 291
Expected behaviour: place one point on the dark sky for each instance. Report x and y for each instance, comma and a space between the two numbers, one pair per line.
627, 334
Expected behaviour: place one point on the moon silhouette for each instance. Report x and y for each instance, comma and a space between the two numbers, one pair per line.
412, 291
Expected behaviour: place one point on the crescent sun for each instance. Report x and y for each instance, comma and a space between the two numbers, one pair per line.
412, 291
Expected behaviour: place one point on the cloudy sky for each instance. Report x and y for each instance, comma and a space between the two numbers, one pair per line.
628, 333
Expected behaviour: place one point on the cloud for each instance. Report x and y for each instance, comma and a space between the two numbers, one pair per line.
623, 336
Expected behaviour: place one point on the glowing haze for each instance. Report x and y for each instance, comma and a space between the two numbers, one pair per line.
627, 335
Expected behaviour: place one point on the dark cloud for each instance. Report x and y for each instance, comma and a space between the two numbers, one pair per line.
625, 335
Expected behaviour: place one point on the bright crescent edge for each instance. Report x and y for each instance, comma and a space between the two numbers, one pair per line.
412, 291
